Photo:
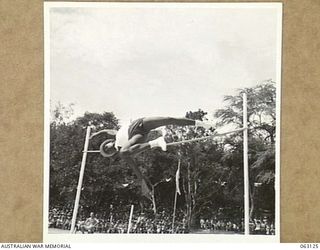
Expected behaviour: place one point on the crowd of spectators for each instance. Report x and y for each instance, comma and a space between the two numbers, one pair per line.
60, 218
221, 225
257, 226
262, 226
146, 223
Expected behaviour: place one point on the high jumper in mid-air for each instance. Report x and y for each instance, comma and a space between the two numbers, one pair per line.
133, 139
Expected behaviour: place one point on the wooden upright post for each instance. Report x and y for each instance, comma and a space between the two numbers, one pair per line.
175, 198
130, 219
83, 164
245, 166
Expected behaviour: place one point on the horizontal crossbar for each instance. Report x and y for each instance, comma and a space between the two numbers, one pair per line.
205, 137
187, 141
91, 151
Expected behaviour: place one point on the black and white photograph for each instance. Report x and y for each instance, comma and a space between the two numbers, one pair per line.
162, 120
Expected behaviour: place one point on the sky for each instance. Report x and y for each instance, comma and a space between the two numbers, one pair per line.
147, 61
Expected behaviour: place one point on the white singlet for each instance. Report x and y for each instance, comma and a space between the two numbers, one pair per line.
122, 137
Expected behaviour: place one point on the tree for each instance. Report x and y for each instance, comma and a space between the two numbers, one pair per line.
66, 145
194, 160
261, 110
262, 127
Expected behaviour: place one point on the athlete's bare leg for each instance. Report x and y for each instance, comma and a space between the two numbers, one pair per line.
150, 123
138, 142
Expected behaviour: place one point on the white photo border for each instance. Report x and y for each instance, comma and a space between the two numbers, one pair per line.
156, 238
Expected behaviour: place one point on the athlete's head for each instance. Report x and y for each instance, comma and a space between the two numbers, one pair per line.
107, 148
